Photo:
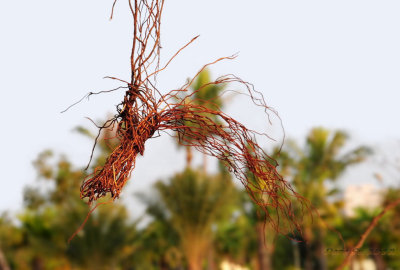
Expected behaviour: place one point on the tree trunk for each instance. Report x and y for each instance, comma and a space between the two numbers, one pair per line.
195, 265
296, 255
163, 264
321, 254
308, 258
3, 262
377, 256
308, 263
351, 265
189, 156
205, 163
211, 260
194, 252
37, 263
264, 250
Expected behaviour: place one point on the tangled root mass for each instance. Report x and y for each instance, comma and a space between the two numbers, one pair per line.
145, 111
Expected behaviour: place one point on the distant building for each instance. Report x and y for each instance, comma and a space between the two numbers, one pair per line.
226, 265
366, 195
366, 264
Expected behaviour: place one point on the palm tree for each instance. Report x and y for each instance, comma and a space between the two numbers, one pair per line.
195, 202
206, 94
310, 168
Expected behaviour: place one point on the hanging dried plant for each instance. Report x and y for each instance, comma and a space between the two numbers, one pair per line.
144, 111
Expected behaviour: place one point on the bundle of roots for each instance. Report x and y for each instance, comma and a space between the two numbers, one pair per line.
145, 112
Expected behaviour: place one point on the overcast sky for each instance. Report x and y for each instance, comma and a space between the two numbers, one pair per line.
318, 63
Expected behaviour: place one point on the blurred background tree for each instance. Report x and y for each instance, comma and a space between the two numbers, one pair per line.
10, 239
54, 211
195, 219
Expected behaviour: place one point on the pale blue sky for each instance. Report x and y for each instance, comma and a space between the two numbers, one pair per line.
318, 63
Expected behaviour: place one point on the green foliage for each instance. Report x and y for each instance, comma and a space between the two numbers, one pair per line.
311, 167
54, 211
381, 244
11, 239
236, 239
106, 239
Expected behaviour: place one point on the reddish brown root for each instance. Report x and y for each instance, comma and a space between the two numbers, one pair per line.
145, 111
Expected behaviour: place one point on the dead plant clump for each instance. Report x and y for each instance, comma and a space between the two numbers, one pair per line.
145, 111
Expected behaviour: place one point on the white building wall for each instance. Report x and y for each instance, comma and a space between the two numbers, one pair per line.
366, 195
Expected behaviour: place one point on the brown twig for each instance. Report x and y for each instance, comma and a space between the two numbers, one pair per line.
86, 219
